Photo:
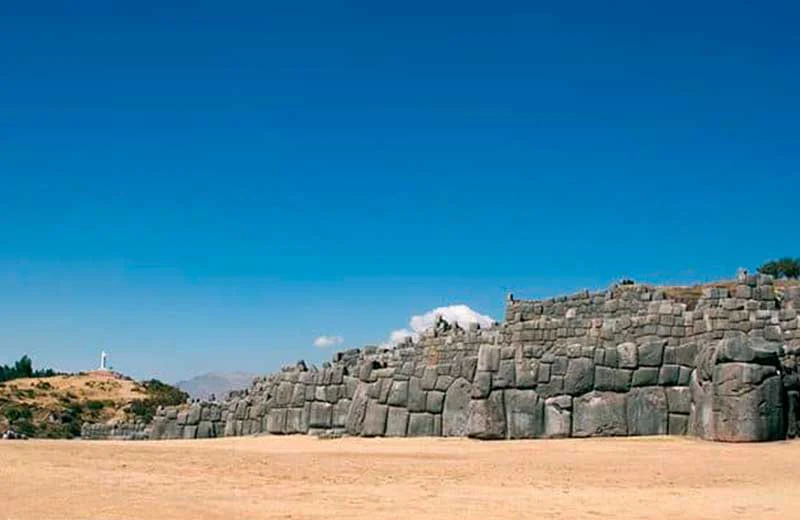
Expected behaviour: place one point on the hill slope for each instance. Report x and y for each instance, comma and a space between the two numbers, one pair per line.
57, 406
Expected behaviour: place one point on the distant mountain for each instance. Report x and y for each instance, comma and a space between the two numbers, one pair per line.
217, 383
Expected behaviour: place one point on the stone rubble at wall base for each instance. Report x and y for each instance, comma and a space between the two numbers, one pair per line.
632, 360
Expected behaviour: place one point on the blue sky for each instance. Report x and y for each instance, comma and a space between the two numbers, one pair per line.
212, 186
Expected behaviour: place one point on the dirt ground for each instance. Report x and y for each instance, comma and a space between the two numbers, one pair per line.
308, 478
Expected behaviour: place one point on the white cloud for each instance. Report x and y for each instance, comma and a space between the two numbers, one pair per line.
453, 314
328, 341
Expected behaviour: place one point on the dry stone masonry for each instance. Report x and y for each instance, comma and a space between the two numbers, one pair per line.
716, 362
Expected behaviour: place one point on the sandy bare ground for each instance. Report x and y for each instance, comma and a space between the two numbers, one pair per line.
307, 478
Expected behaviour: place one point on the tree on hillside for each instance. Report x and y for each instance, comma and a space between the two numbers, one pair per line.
22, 368
783, 268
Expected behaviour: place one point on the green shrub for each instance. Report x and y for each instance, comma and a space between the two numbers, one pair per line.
158, 394
783, 268
95, 406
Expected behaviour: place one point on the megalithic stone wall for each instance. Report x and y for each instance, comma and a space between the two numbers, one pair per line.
632, 360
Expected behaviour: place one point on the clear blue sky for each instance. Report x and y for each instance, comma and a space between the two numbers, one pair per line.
211, 186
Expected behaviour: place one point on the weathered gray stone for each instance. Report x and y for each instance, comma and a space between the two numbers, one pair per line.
456, 409
429, 378
375, 419
321, 415
559, 366
385, 388
669, 375
205, 430
612, 379
435, 403
553, 387
525, 373
358, 409
679, 399
793, 413
468, 366
396, 422
443, 382
524, 414
747, 403
645, 376
296, 421
487, 417
190, 431
579, 378
193, 417
558, 417
398, 394
650, 354
420, 425
276, 420
678, 424
482, 385
488, 358
599, 414
298, 395
340, 412
505, 376
284, 395
627, 354
417, 398
646, 409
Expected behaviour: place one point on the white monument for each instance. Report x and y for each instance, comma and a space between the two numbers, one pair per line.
103, 360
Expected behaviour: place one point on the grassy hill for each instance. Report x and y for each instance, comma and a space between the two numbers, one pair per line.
57, 406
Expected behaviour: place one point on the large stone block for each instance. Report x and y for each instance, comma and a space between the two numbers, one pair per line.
679, 399
340, 411
358, 409
599, 414
645, 376
321, 415
627, 355
420, 425
524, 414
396, 422
398, 394
298, 395
375, 419
205, 430
193, 417
429, 378
678, 424
558, 417
296, 421
482, 385
276, 421
579, 378
487, 418
435, 402
646, 410
456, 409
284, 394
651, 353
747, 403
417, 398
505, 376
612, 379
526, 373
489, 358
